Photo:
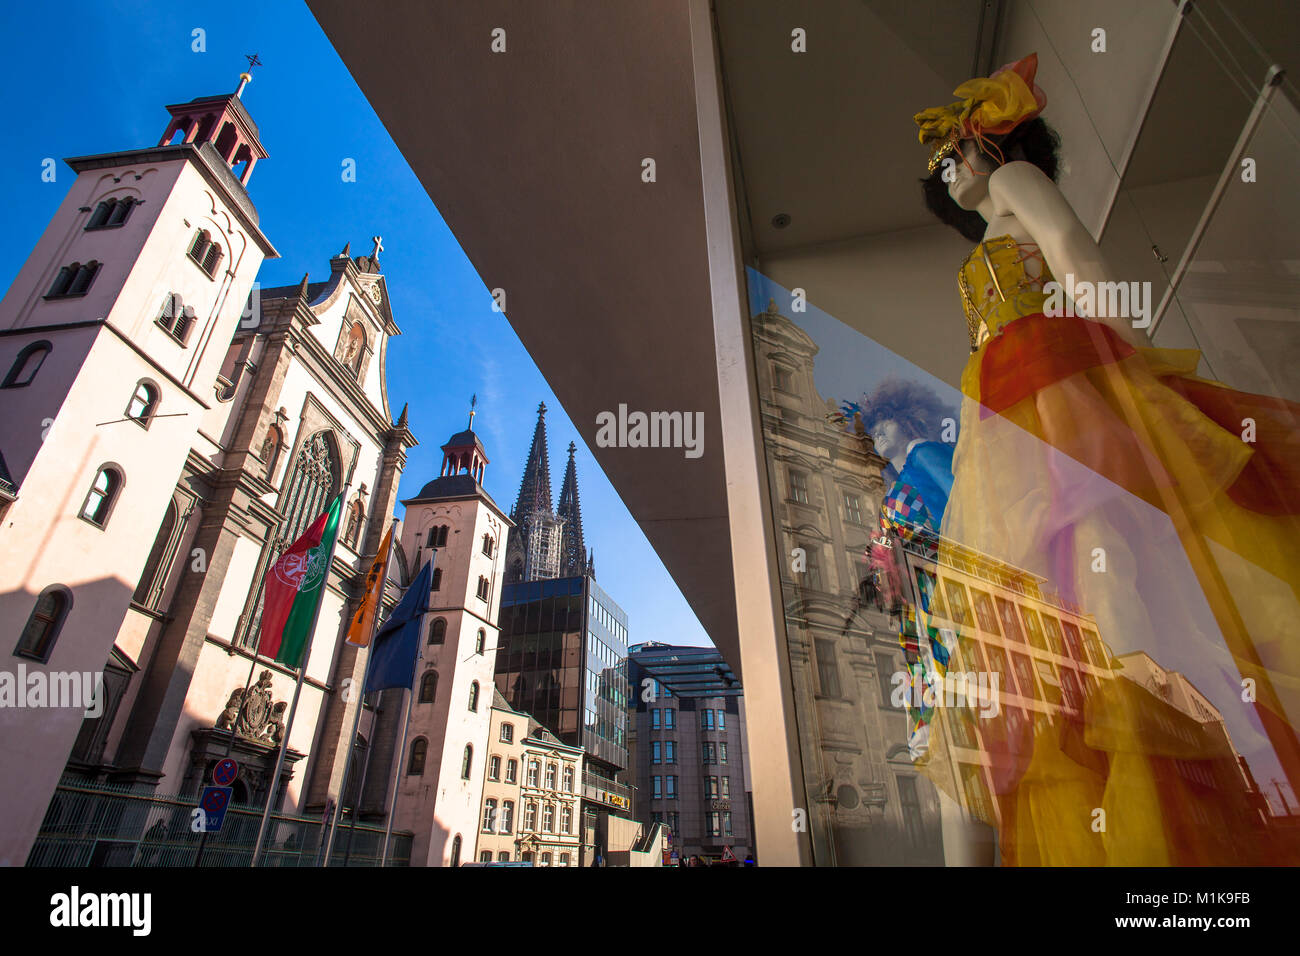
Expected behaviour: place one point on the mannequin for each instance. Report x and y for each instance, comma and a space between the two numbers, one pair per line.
1111, 471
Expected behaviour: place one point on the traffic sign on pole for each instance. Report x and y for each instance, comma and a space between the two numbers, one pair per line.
225, 772
211, 811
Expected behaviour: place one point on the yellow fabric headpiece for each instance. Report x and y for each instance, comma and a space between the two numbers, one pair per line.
995, 104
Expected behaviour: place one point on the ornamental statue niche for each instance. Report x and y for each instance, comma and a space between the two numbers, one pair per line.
252, 714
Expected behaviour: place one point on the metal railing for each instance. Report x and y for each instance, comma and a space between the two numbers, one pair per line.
112, 825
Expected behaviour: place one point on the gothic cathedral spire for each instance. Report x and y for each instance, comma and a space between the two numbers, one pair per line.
573, 559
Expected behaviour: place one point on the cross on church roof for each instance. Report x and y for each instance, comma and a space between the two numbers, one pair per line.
379, 247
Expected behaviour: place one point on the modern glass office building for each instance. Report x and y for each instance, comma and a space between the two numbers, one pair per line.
563, 659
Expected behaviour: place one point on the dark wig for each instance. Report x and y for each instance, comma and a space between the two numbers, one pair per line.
1034, 142
918, 410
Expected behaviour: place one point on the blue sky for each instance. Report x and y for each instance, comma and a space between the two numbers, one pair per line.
95, 77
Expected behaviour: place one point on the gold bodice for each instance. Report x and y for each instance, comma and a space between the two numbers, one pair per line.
997, 287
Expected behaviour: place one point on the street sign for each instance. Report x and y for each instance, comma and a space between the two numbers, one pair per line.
225, 772
728, 856
214, 803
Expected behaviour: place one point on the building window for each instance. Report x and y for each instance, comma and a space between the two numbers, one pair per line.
438, 631
507, 733
438, 536
45, 623
466, 762
548, 817
205, 253
415, 766
480, 642
533, 769
726, 788
799, 486
482, 589
455, 851
27, 364
148, 592
782, 379
722, 752
715, 823
670, 719
654, 718
473, 697
710, 754
102, 496
526, 857
507, 816
437, 580
429, 687
564, 859
503, 856
566, 820
706, 720
176, 318
726, 823
488, 544
812, 575
111, 213
485, 856
656, 752
494, 767
670, 787
670, 750
550, 776
658, 788
722, 720
828, 672
546, 859
311, 486
73, 280
512, 770
568, 779
489, 815
711, 788
852, 508
530, 816
143, 403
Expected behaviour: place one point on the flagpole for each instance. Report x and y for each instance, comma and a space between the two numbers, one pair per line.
361, 701
297, 689
397, 779
401, 753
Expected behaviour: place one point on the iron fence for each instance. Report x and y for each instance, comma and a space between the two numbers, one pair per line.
112, 825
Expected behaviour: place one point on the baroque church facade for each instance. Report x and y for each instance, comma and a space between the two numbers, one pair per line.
170, 429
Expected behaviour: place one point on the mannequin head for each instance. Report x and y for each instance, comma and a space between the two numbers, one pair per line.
954, 203
899, 412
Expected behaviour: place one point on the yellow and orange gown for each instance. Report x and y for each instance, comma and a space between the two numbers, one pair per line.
1123, 480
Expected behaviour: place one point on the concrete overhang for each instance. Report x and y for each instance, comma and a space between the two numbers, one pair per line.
534, 157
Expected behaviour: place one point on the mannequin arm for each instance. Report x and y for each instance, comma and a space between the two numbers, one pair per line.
1024, 191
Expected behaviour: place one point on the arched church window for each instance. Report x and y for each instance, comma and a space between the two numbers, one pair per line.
143, 404
309, 490
102, 496
429, 687
415, 767
45, 622
356, 518
27, 364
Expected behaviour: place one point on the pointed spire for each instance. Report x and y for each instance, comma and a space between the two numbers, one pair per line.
591, 563
401, 419
347, 250
573, 559
473, 401
302, 289
535, 489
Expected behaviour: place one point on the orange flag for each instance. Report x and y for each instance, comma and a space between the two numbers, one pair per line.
363, 621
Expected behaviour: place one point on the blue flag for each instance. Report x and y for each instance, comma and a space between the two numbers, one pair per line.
398, 640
